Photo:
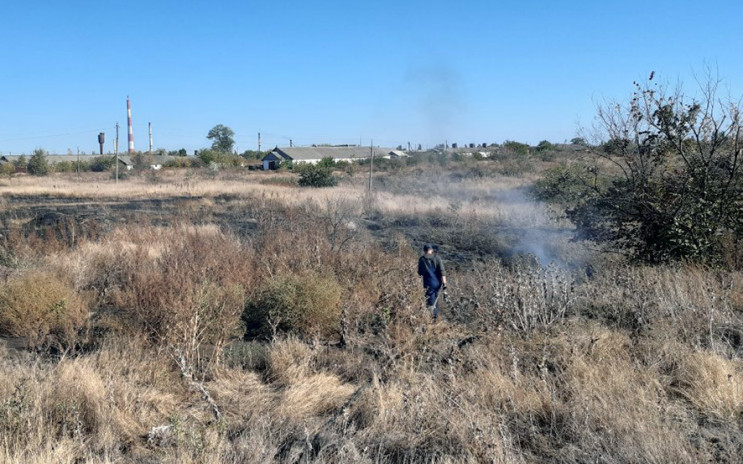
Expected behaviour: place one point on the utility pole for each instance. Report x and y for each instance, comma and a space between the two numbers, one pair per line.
78, 163
149, 128
116, 152
371, 164
259, 142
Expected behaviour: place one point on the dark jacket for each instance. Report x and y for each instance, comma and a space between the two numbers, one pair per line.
431, 268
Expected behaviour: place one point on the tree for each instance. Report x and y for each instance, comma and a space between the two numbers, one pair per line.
222, 138
545, 145
38, 164
677, 187
578, 141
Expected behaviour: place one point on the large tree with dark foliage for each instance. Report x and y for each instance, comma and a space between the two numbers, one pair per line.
222, 138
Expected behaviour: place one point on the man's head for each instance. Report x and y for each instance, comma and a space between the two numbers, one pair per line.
428, 249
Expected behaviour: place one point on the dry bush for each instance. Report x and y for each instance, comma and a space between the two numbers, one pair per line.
306, 304
40, 304
523, 296
691, 304
185, 289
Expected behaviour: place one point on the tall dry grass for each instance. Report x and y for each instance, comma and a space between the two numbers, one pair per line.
533, 363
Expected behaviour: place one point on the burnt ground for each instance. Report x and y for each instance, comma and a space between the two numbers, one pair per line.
67, 217
71, 218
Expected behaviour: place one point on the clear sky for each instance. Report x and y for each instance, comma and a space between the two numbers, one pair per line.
341, 71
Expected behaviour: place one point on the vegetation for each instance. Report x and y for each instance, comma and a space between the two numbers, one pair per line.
672, 184
40, 305
307, 304
237, 318
315, 175
222, 137
38, 164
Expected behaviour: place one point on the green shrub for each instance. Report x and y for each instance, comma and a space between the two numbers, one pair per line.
6, 169
40, 304
545, 145
102, 163
38, 165
311, 175
306, 305
515, 148
567, 184
327, 162
64, 166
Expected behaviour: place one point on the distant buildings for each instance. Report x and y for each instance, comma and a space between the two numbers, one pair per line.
314, 154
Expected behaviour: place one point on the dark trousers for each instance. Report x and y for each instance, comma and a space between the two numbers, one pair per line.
432, 297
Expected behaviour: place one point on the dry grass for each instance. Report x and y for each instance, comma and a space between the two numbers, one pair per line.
531, 364
42, 308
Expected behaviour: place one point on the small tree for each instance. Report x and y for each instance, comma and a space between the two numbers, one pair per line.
38, 164
545, 145
676, 191
222, 138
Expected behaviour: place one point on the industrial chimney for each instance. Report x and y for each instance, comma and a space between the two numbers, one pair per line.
129, 123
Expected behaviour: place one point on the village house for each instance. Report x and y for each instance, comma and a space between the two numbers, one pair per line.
314, 154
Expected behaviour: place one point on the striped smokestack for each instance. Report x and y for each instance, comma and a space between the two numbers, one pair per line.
129, 123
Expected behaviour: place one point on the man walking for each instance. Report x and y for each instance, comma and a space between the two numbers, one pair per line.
431, 268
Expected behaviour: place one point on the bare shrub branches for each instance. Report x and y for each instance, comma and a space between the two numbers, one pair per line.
679, 192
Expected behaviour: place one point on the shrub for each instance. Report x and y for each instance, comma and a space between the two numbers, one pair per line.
678, 190
515, 148
102, 163
567, 184
545, 145
327, 162
188, 297
40, 304
6, 169
38, 164
64, 166
316, 176
307, 305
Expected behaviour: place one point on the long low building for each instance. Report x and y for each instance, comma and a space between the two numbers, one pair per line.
125, 161
313, 155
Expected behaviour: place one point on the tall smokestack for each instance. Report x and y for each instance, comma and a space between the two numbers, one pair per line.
129, 123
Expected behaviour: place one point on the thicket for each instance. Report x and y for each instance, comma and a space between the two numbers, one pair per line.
670, 184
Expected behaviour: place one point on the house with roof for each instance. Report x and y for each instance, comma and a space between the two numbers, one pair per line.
396, 154
314, 154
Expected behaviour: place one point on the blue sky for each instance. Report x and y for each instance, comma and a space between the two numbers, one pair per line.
339, 71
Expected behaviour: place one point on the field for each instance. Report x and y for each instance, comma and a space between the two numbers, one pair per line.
193, 316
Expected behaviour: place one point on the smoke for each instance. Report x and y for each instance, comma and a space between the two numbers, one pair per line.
533, 230
438, 97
